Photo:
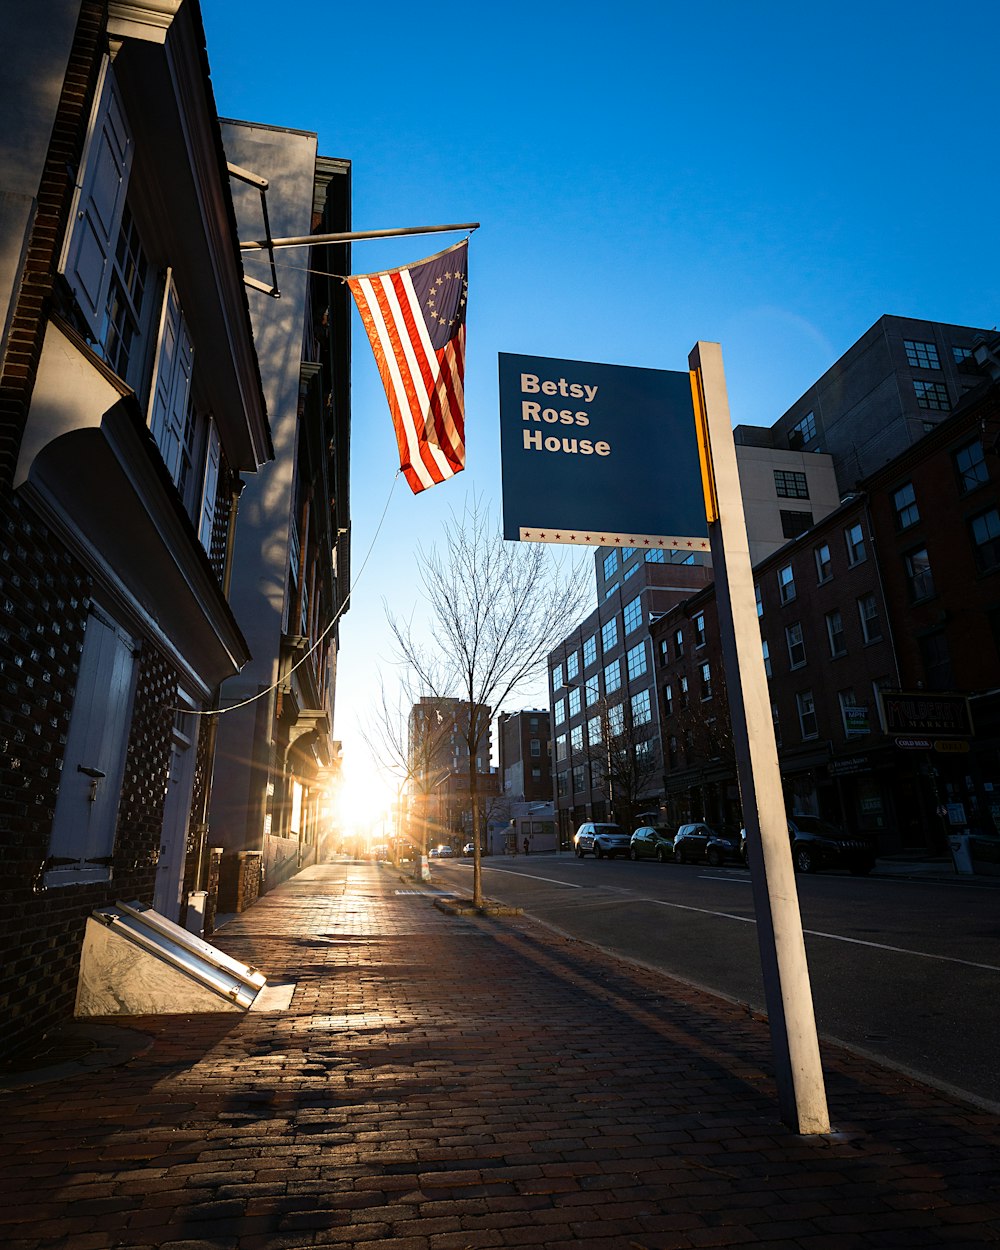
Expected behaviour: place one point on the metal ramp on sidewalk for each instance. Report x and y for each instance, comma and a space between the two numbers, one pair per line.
136, 962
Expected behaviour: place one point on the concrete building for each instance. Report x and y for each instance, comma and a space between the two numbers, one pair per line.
131, 404
602, 689
888, 389
276, 753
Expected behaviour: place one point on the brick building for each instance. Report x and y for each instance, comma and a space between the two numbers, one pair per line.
525, 769
131, 401
897, 590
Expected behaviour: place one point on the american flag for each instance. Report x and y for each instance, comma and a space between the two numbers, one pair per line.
415, 318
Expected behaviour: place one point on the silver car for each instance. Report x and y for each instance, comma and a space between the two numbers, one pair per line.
601, 840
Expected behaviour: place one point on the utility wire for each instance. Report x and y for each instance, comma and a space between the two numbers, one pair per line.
221, 711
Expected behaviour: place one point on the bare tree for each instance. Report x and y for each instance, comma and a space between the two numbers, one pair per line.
621, 754
496, 609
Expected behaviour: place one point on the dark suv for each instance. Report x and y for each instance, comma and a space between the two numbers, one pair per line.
817, 844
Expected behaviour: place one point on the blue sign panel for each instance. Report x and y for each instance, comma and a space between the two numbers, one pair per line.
599, 454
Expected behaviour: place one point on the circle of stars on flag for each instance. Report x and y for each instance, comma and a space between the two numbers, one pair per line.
432, 301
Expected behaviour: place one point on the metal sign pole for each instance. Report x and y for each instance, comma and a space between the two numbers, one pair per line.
788, 997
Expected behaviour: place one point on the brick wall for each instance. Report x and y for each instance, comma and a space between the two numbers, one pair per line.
44, 599
40, 285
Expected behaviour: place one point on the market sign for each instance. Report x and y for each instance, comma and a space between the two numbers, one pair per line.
602, 455
922, 713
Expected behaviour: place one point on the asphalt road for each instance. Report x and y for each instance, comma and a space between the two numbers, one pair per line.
905, 970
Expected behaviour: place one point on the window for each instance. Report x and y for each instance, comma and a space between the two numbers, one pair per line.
706, 681
124, 324
560, 747
766, 653
672, 751
853, 716
905, 503
937, 661
632, 568
536, 774
86, 812
535, 748
590, 651
616, 721
572, 665
776, 722
795, 523
592, 690
786, 584
824, 564
574, 701
612, 676
664, 651
609, 634
594, 731
790, 484
627, 553
632, 613
760, 602
557, 677
807, 714
559, 714
610, 565
803, 431
958, 354
576, 739
641, 711
835, 633
932, 395
668, 700
918, 574
654, 555
644, 754
796, 645
678, 643
871, 627
985, 530
921, 355
855, 539
636, 659
578, 778
684, 692
562, 784
88, 260
699, 630
970, 466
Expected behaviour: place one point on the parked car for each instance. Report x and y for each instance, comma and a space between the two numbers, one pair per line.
652, 842
724, 848
599, 840
443, 852
816, 844
691, 843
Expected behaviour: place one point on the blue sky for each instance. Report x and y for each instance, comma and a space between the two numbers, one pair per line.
773, 177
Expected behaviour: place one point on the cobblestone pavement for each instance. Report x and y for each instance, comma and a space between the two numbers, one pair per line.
441, 1082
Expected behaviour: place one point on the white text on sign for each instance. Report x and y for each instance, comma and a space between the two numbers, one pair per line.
532, 410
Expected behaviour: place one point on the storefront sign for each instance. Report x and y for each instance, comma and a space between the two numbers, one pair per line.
914, 744
602, 455
951, 747
919, 712
849, 764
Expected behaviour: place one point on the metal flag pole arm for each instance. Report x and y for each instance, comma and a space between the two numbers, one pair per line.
308, 240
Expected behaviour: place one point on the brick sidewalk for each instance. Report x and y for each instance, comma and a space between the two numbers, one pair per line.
442, 1082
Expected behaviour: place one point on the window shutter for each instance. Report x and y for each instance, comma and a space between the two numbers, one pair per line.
98, 203
208, 500
171, 380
